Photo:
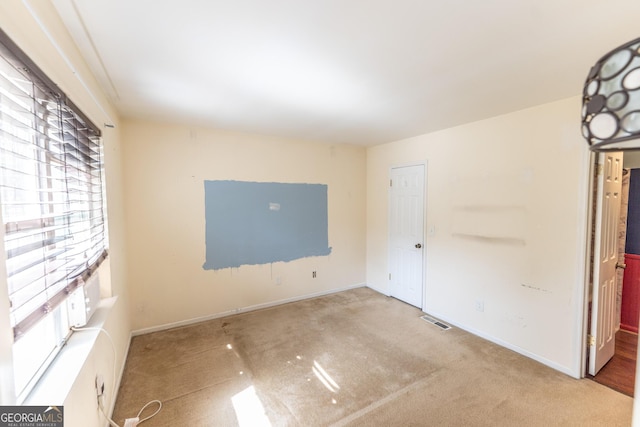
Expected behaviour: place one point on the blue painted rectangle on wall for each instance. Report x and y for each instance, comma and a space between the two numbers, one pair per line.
250, 223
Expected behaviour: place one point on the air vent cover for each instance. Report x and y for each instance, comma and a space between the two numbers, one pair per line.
436, 322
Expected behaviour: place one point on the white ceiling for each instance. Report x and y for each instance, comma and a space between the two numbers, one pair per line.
353, 71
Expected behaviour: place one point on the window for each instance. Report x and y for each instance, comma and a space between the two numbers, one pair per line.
52, 210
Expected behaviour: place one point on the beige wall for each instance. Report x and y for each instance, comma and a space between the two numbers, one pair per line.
36, 28
507, 199
166, 166
632, 159
529, 166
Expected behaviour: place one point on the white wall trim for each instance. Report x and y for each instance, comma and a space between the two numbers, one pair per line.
378, 290
241, 310
114, 397
561, 368
583, 263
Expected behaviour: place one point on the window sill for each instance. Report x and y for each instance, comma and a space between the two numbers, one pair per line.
57, 381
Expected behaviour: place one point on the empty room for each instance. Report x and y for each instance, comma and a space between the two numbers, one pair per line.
319, 213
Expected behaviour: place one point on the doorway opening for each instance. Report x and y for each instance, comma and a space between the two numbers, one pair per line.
617, 370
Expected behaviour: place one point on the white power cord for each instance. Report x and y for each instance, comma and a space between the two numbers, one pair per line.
133, 422
129, 422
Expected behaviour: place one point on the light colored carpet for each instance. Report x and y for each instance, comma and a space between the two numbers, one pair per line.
355, 358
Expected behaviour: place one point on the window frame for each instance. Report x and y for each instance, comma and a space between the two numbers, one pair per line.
54, 313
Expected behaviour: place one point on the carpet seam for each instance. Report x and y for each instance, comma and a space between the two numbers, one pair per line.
377, 404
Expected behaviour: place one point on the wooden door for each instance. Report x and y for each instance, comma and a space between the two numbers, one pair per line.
603, 324
406, 233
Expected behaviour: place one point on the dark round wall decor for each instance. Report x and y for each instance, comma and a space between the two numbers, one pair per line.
611, 101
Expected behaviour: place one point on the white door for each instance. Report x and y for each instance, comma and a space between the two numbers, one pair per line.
605, 257
406, 233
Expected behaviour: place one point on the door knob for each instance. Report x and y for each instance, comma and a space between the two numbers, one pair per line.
418, 245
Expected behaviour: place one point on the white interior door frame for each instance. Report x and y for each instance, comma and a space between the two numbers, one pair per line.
424, 164
589, 191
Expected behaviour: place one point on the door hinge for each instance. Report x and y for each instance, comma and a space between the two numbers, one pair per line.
599, 169
591, 340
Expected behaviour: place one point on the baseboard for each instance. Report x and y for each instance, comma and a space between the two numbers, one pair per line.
112, 404
505, 344
378, 290
240, 310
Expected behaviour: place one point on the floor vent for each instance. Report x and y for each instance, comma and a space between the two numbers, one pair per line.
436, 322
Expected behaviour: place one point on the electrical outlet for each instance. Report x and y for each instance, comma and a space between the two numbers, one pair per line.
99, 385
313, 274
278, 280
479, 305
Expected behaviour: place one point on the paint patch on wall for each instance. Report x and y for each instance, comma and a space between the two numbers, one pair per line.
249, 223
490, 223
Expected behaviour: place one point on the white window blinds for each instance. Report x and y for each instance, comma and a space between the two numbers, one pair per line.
50, 190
